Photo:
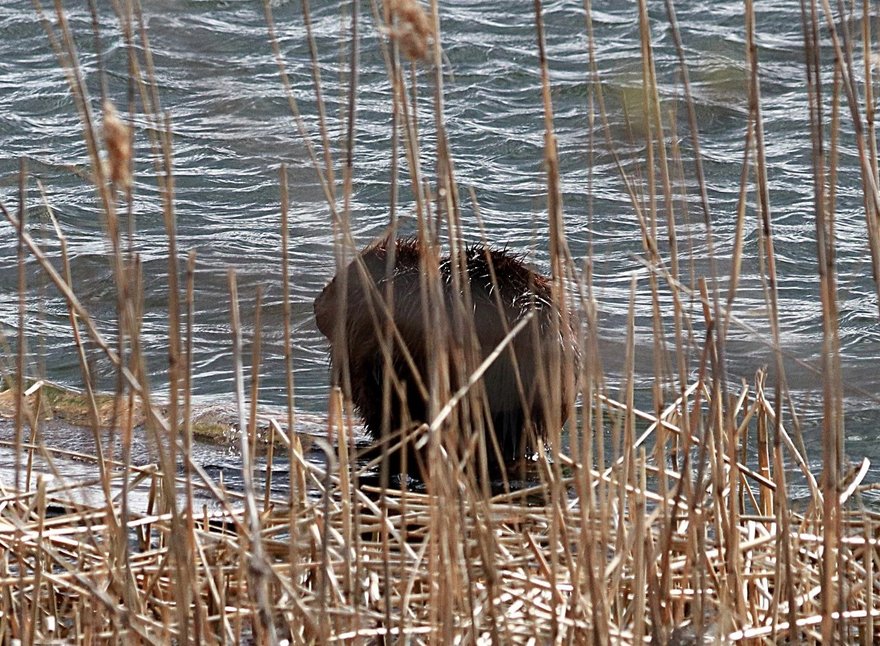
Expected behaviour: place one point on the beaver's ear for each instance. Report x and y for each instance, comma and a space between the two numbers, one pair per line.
385, 243
387, 239
379, 246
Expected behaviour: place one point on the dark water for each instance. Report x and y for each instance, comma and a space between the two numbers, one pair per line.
233, 129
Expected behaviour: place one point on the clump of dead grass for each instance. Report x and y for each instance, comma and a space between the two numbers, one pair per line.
674, 525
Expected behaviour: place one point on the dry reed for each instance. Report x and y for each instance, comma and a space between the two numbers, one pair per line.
670, 525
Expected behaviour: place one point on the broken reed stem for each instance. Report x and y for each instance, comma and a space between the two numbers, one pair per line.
21, 356
656, 137
832, 436
77, 337
296, 488
256, 350
199, 629
176, 380
21, 370
257, 567
771, 293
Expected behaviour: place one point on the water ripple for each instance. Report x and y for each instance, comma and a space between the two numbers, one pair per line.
232, 128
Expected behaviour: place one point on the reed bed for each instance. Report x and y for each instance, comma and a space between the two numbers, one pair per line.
624, 569
674, 522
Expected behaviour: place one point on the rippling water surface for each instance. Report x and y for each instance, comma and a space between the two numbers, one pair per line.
233, 128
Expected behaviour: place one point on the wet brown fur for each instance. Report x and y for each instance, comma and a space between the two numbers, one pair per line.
519, 423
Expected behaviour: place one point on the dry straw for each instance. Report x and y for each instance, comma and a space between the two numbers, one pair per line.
669, 523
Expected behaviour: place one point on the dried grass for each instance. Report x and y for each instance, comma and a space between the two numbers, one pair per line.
493, 571
671, 525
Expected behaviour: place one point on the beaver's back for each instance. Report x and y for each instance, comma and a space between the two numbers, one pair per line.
497, 306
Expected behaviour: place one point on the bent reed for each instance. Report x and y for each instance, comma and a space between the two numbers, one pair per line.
672, 523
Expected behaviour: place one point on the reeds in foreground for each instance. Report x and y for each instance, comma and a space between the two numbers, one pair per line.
670, 523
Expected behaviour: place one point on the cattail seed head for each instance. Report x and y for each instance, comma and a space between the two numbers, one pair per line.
412, 28
117, 139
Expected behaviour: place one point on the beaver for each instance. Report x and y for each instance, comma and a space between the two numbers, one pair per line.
514, 411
